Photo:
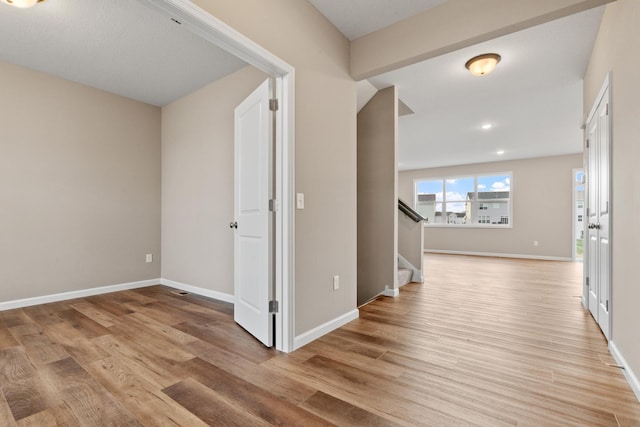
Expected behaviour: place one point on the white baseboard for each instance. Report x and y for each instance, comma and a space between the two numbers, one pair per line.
45, 299
325, 328
391, 292
631, 377
499, 255
220, 296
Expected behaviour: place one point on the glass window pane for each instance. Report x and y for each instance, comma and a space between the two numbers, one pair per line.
458, 189
483, 199
428, 194
458, 212
499, 185
431, 187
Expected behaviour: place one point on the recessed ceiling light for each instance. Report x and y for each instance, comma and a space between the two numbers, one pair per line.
487, 126
500, 152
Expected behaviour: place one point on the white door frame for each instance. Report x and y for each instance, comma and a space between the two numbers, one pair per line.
220, 34
605, 89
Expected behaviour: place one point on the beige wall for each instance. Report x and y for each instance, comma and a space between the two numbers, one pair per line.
325, 147
542, 208
197, 182
450, 26
377, 195
79, 186
617, 49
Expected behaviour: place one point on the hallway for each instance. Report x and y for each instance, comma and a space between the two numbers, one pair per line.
486, 341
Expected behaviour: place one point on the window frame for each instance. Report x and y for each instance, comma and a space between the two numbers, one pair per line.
475, 204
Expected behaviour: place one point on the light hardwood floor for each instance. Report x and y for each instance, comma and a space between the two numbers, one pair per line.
483, 341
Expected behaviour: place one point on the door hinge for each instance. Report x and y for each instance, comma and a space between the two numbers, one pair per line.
586, 283
273, 306
587, 211
607, 109
587, 143
607, 305
273, 105
274, 205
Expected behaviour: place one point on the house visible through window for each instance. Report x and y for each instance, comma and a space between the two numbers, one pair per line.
466, 200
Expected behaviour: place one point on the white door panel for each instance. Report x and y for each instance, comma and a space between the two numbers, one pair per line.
598, 257
252, 247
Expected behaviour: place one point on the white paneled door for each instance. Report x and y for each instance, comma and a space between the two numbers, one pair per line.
598, 253
253, 219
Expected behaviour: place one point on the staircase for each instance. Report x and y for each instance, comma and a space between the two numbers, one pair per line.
404, 276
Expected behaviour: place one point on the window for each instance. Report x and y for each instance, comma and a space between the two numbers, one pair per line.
466, 200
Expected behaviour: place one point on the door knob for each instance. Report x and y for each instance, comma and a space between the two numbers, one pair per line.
233, 224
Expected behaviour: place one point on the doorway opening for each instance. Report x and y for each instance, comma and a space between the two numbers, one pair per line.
221, 35
578, 215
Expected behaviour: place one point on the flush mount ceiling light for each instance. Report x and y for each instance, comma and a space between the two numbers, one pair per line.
22, 4
483, 64
487, 126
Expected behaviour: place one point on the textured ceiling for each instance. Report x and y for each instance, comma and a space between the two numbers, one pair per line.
533, 99
121, 46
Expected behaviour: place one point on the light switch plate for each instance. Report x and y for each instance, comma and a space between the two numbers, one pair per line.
299, 200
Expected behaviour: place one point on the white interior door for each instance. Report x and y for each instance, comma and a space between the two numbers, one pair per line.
253, 221
598, 214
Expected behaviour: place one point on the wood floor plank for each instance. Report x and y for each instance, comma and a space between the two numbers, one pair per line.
281, 386
112, 303
152, 341
6, 416
74, 342
89, 402
342, 413
95, 313
250, 398
88, 327
352, 390
155, 369
16, 317
57, 416
236, 341
6, 339
37, 345
209, 406
22, 387
141, 397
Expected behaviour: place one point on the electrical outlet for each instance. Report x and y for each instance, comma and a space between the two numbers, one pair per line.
336, 283
535, 243
149, 258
